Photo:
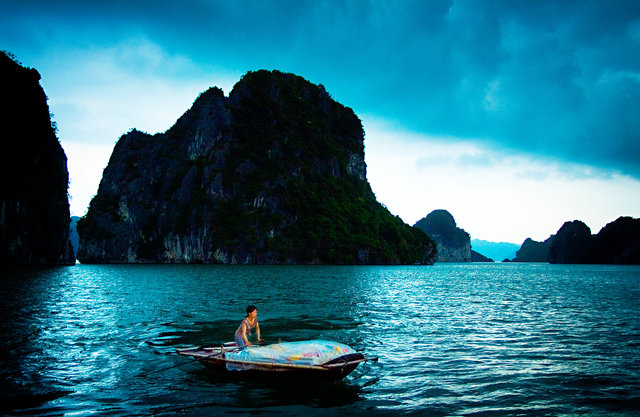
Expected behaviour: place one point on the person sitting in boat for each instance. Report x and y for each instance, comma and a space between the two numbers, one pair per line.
247, 324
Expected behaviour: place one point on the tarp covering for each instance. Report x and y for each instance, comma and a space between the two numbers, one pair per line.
309, 352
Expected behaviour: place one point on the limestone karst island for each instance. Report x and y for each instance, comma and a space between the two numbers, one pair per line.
272, 174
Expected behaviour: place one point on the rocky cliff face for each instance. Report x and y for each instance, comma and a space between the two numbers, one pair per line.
34, 208
454, 244
274, 173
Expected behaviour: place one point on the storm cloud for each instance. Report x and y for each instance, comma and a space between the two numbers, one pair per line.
551, 78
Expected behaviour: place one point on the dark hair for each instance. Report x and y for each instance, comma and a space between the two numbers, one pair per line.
251, 309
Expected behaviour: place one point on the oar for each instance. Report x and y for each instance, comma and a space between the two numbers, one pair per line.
175, 366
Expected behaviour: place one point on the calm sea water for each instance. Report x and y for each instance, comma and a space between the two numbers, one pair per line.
453, 339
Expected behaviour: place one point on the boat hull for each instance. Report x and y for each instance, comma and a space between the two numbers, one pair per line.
214, 358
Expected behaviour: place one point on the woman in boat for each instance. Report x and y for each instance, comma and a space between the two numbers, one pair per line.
247, 324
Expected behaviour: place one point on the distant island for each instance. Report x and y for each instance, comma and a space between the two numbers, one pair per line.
616, 243
272, 174
454, 244
34, 223
534, 251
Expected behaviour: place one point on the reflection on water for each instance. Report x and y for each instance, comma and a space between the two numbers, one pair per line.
452, 338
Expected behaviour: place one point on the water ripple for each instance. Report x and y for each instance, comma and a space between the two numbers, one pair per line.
452, 339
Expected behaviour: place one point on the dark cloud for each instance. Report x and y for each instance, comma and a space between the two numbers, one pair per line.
559, 78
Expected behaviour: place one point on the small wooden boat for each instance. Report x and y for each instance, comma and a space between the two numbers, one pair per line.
315, 359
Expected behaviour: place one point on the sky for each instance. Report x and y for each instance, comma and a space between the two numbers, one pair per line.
515, 116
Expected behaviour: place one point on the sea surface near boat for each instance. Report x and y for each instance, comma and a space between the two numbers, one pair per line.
453, 339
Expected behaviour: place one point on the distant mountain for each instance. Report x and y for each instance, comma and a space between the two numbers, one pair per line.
272, 174
454, 244
34, 220
73, 234
498, 251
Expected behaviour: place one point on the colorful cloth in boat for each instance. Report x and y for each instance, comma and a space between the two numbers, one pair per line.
310, 352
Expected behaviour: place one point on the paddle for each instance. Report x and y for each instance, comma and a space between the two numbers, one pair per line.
175, 366
191, 361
